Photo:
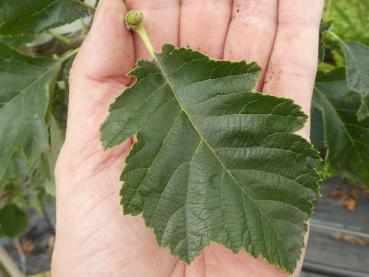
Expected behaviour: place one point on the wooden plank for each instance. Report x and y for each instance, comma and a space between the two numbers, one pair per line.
329, 212
306, 274
339, 238
7, 265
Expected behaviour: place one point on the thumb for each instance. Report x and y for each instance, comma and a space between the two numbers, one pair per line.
107, 52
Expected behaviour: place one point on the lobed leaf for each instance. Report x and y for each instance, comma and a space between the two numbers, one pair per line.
214, 162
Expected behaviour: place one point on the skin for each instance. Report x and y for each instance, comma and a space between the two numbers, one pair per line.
93, 237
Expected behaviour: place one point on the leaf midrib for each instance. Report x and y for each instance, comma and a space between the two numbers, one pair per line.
23, 91
20, 94
44, 8
165, 75
35, 14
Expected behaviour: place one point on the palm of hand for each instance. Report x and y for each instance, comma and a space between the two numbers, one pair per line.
93, 237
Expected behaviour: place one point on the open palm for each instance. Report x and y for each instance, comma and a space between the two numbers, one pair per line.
94, 238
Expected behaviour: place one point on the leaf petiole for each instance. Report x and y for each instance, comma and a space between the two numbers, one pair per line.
69, 54
335, 36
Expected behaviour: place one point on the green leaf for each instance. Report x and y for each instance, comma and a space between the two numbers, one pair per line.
57, 137
346, 138
317, 129
29, 17
357, 72
13, 221
16, 42
24, 97
363, 111
357, 67
214, 162
350, 19
324, 26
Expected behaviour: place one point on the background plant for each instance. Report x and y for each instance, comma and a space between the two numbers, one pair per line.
34, 93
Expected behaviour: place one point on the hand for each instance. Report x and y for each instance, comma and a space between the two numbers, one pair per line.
93, 237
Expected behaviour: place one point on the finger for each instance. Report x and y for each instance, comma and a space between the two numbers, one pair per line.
252, 32
204, 25
293, 64
107, 52
161, 20
99, 71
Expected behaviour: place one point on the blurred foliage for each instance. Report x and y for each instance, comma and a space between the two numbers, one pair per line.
28, 183
339, 124
345, 134
350, 19
13, 221
37, 16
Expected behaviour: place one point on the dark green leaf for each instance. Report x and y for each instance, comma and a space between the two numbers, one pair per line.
317, 129
27, 17
16, 42
346, 138
324, 26
357, 72
357, 67
24, 98
13, 221
363, 111
213, 161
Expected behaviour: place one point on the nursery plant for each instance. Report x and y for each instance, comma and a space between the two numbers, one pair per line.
230, 137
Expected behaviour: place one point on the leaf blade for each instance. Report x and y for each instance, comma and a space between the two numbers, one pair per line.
206, 136
24, 98
348, 152
13, 221
357, 69
30, 17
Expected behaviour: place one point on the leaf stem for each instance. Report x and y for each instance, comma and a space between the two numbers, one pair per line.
83, 4
85, 27
134, 21
335, 36
69, 55
145, 38
61, 38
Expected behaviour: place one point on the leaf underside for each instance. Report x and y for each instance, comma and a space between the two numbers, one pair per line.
345, 136
213, 161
